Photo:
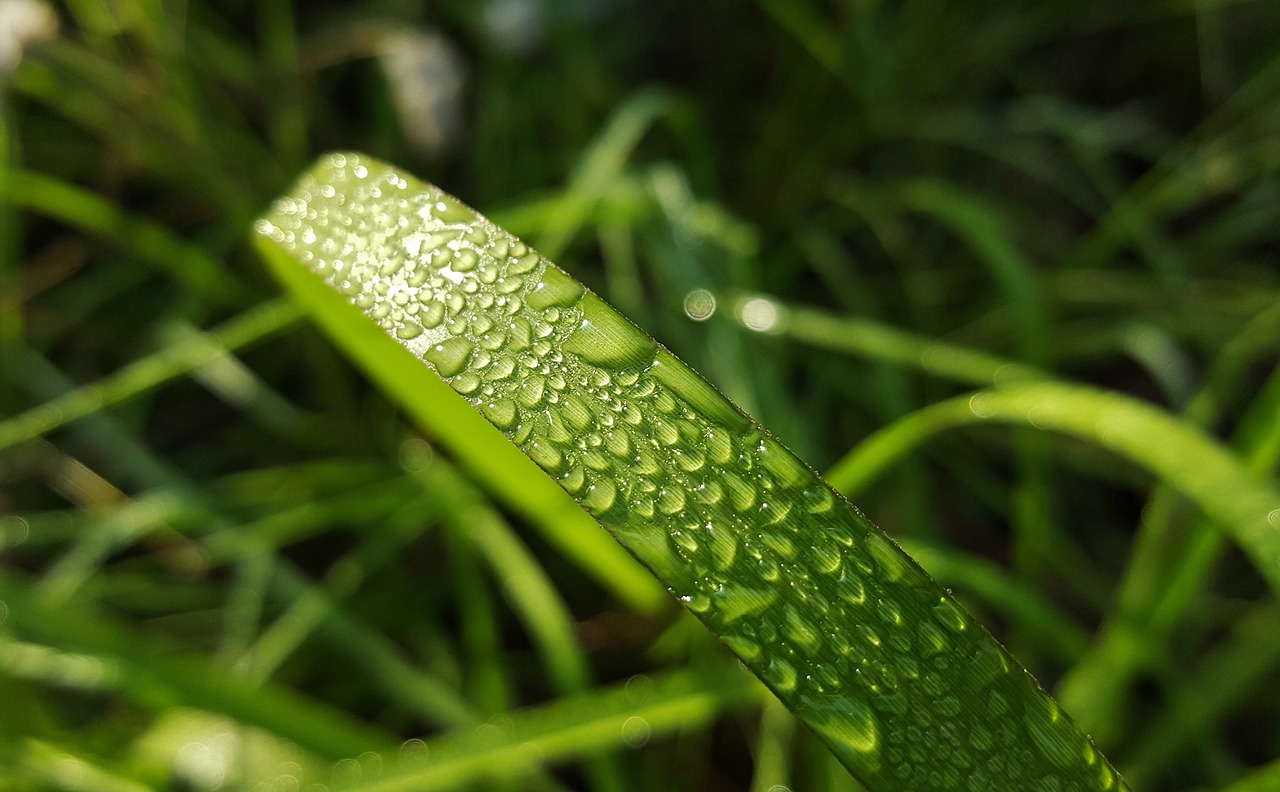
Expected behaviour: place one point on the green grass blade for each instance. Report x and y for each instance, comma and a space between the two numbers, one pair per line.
507, 473
895, 677
151, 242
174, 361
1212, 477
885, 343
158, 678
571, 727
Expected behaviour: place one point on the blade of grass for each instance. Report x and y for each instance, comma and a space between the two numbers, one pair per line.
1019, 602
150, 241
530, 592
502, 469
71, 771
158, 677
1186, 459
1167, 570
882, 342
848, 632
602, 164
773, 748
183, 357
1241, 669
570, 728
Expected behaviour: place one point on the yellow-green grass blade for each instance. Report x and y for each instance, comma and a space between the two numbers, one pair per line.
506, 472
575, 726
1246, 505
892, 674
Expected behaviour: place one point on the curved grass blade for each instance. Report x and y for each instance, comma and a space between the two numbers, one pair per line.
894, 676
1209, 475
570, 727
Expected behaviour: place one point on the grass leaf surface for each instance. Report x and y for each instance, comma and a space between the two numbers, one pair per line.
894, 676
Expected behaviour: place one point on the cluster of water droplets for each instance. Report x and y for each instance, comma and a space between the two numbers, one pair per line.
865, 646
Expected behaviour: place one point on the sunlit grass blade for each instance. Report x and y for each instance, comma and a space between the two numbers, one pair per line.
886, 668
631, 714
508, 474
156, 677
63, 769
1247, 506
882, 342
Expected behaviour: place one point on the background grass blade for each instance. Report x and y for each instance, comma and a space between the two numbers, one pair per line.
627, 714
893, 675
1205, 472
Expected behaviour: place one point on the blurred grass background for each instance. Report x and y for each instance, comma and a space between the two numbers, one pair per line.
226, 562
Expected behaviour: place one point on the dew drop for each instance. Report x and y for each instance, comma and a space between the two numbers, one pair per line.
868, 635
530, 390
950, 616
888, 557
734, 602
618, 443
501, 369
1044, 722
780, 462
635, 731
741, 495
781, 675
665, 432
450, 210
846, 724
464, 261
408, 330
825, 559
574, 479
889, 612
466, 382
600, 496
521, 334
555, 288
932, 640
778, 543
724, 548
449, 356
685, 540
800, 631
695, 391
501, 412
710, 493
698, 603
745, 648
719, 447
699, 305
523, 263
817, 500
545, 455
575, 412
671, 500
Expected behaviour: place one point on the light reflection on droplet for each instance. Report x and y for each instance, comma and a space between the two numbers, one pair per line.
978, 405
759, 314
636, 731
416, 455
413, 751
699, 305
